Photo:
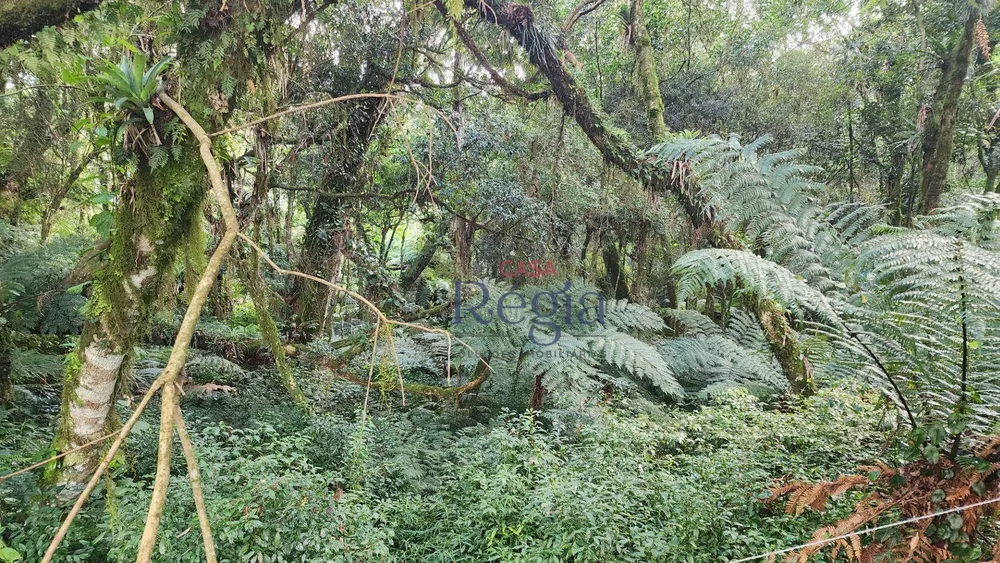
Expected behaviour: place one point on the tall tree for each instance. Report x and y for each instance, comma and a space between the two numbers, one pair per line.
939, 127
157, 206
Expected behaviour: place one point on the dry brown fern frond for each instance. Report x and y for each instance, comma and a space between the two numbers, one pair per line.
982, 38
917, 490
802, 494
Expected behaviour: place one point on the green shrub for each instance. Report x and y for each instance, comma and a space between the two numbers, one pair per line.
617, 484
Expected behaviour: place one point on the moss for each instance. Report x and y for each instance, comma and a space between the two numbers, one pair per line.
268, 329
163, 205
647, 74
152, 223
195, 252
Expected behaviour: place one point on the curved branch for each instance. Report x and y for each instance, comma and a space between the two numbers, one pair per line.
495, 75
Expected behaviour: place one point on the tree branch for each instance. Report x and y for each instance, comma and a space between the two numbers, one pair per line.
179, 353
495, 75
544, 51
197, 492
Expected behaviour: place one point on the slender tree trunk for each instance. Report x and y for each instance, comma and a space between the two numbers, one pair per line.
49, 214
612, 268
991, 180
289, 215
638, 291
646, 68
894, 187
257, 288
464, 235
6, 383
537, 394
411, 274
939, 133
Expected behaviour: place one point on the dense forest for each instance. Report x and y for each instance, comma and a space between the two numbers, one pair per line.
478, 280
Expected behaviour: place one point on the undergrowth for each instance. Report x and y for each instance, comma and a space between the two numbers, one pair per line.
623, 482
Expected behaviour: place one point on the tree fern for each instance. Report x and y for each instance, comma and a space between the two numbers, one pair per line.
757, 277
929, 305
587, 353
708, 358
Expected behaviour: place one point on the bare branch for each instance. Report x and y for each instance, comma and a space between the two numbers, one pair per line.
314, 105
196, 489
186, 331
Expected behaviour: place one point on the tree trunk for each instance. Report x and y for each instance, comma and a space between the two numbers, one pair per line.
639, 290
49, 215
991, 180
268, 329
20, 19
894, 187
411, 274
326, 235
779, 333
149, 232
646, 67
939, 133
6, 383
464, 236
612, 268
327, 226
289, 215
537, 394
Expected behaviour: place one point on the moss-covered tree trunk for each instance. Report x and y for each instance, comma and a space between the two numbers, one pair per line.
6, 383
939, 132
649, 82
257, 288
408, 278
615, 277
20, 19
784, 345
327, 225
325, 238
151, 224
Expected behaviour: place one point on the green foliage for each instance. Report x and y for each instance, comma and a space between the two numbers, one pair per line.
710, 359
767, 199
32, 280
596, 486
130, 85
8, 554
559, 337
201, 366
930, 309
754, 277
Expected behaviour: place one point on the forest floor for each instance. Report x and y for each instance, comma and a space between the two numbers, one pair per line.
622, 481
